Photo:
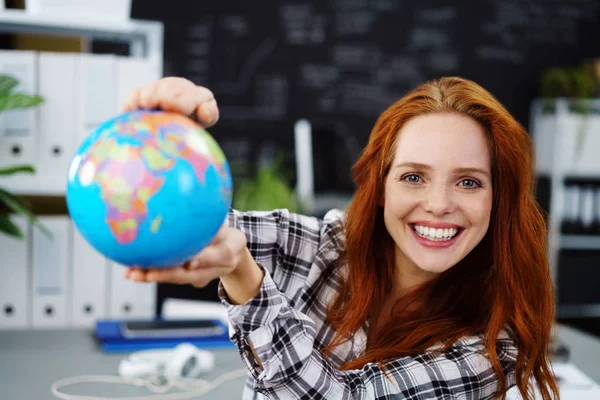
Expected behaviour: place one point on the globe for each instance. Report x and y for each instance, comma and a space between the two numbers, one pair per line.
149, 188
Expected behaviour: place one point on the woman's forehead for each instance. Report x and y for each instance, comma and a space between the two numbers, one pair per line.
443, 139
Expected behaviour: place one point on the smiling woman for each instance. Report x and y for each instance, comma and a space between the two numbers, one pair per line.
434, 284
448, 155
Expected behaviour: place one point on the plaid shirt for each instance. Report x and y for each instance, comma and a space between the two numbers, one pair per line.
286, 325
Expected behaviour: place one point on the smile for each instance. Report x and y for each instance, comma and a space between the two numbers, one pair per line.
436, 234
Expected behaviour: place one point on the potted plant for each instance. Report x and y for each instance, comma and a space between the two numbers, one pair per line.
562, 119
268, 189
9, 202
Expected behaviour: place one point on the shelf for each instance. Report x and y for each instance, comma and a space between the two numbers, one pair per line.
22, 21
578, 311
580, 242
145, 37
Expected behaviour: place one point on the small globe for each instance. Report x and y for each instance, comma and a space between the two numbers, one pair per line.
149, 188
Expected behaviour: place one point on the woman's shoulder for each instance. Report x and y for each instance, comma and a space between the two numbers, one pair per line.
506, 347
503, 336
333, 232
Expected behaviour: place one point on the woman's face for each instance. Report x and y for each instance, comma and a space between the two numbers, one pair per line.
438, 193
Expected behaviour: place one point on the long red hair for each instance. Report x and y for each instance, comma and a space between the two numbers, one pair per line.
503, 284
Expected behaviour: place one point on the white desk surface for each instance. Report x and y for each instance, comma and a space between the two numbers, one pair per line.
30, 361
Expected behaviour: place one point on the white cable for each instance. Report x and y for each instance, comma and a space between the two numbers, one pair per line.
185, 384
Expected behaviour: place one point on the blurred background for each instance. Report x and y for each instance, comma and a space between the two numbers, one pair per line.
338, 64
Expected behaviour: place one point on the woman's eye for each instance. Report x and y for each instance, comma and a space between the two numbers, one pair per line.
470, 184
412, 178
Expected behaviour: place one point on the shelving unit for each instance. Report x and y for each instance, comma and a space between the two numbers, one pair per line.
145, 38
112, 296
560, 159
579, 311
580, 242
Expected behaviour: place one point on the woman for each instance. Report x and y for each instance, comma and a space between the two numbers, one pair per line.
433, 284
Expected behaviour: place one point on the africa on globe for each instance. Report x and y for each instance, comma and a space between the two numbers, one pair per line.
149, 188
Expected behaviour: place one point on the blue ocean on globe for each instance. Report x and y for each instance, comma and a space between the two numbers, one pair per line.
149, 188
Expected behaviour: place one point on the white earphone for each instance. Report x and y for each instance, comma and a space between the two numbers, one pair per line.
158, 371
185, 361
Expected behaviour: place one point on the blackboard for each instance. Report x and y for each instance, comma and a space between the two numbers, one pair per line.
340, 63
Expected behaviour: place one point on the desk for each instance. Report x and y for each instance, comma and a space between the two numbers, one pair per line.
584, 351
30, 361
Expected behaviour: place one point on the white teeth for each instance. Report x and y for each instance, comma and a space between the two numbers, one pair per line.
435, 234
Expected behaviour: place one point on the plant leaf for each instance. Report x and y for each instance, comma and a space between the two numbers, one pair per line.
20, 100
9, 227
16, 169
12, 202
16, 205
7, 83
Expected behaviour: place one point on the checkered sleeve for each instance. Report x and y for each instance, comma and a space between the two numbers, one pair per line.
289, 366
283, 243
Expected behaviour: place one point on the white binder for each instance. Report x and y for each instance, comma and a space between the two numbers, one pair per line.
129, 299
96, 88
18, 128
132, 73
14, 278
88, 284
57, 129
51, 269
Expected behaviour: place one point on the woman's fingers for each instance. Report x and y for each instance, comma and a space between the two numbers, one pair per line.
183, 275
135, 274
176, 95
133, 100
219, 258
207, 114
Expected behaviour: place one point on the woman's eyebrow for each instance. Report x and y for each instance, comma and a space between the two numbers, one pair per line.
472, 170
415, 165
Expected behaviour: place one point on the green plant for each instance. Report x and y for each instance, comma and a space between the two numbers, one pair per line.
571, 82
579, 85
267, 190
10, 203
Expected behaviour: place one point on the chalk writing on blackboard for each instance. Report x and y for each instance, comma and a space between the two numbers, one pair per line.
302, 25
248, 68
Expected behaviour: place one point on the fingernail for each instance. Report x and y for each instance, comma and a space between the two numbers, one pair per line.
206, 111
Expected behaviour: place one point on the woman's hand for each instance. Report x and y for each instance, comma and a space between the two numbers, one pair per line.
221, 257
178, 95
226, 257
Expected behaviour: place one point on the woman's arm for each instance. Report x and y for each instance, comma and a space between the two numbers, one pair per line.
283, 243
244, 282
278, 345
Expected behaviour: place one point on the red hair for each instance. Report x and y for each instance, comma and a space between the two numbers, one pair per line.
503, 284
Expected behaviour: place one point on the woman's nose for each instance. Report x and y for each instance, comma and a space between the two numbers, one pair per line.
440, 200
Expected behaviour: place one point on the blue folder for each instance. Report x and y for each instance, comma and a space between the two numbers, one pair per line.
111, 339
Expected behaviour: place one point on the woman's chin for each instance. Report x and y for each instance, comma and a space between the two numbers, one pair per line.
434, 267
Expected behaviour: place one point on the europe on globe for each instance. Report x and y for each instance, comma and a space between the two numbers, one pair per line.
149, 188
